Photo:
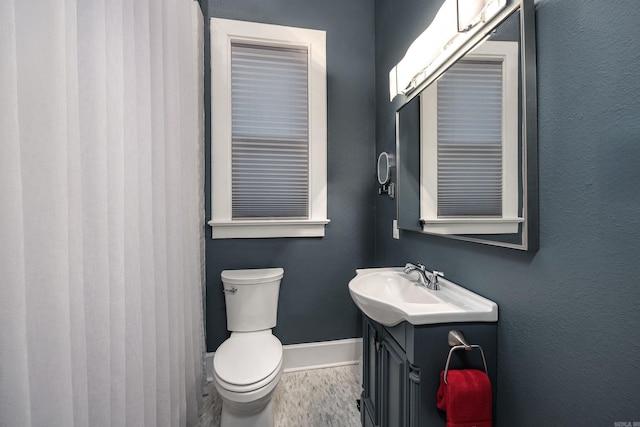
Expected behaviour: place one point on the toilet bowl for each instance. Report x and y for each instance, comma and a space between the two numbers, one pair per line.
248, 365
247, 368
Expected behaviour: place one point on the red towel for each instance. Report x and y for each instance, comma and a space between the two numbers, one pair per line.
466, 398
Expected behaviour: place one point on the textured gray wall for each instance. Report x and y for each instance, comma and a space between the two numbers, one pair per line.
569, 329
314, 299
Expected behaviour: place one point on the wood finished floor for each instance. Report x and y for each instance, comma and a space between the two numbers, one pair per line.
313, 398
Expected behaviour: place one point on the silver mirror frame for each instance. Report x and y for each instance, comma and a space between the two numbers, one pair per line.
529, 126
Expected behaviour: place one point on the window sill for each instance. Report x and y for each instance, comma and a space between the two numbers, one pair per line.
247, 229
471, 225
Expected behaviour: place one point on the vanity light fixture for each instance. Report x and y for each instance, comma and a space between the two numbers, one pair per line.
475, 12
456, 22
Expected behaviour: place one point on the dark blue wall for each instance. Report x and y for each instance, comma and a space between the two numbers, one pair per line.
569, 329
314, 301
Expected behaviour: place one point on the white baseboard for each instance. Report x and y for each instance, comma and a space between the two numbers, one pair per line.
314, 355
324, 354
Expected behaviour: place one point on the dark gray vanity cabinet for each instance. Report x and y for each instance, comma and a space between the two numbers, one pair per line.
401, 370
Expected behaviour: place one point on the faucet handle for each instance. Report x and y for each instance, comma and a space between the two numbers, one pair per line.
434, 277
414, 265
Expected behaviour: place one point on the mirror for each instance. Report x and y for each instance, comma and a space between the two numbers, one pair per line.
384, 168
385, 163
446, 184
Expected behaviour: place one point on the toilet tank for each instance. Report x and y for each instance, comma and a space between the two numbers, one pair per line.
253, 306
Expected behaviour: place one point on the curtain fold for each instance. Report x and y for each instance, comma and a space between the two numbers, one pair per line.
101, 212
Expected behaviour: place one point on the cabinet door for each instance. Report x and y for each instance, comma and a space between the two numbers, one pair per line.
393, 385
370, 374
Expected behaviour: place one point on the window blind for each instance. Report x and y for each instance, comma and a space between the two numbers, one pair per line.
270, 132
470, 140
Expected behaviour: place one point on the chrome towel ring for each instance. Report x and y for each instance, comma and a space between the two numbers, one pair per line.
458, 342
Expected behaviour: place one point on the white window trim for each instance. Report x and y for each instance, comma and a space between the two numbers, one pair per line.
223, 33
507, 52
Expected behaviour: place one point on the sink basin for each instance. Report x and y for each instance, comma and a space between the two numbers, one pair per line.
389, 296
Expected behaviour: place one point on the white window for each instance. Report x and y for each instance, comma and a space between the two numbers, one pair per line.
268, 130
469, 176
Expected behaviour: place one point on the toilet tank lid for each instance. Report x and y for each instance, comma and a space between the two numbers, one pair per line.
251, 276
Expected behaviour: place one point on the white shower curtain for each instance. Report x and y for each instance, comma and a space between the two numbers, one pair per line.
101, 212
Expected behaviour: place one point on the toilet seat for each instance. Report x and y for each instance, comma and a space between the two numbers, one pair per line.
248, 361
257, 388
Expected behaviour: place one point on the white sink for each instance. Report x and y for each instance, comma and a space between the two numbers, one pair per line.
389, 296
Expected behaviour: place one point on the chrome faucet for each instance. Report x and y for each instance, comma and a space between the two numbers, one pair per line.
425, 278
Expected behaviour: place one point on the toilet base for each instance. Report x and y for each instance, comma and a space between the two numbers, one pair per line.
263, 418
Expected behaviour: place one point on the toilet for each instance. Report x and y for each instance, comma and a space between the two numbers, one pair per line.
248, 365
